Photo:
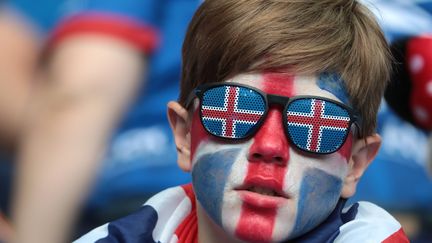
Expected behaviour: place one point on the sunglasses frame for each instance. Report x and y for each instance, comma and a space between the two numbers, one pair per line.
269, 100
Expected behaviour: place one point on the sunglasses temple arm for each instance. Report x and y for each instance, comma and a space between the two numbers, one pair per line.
191, 97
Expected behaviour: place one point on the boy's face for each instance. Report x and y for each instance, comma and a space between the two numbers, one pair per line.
263, 189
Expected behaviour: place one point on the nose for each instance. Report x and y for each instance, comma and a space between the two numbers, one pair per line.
270, 143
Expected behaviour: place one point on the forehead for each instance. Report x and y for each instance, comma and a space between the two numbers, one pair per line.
291, 85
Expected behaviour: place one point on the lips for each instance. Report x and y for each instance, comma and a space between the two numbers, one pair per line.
262, 192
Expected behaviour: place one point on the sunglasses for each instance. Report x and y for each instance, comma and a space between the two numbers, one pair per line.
235, 111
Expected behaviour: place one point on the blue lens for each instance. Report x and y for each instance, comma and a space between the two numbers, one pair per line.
231, 111
316, 125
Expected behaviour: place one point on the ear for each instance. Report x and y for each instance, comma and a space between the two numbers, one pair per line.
364, 150
178, 118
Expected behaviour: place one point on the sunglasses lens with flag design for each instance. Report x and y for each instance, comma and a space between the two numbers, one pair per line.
317, 126
230, 111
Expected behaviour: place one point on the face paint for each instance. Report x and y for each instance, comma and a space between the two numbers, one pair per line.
334, 84
270, 142
266, 170
345, 150
319, 193
198, 134
279, 84
209, 175
260, 189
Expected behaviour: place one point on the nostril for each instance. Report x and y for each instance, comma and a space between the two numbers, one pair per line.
274, 159
257, 156
278, 159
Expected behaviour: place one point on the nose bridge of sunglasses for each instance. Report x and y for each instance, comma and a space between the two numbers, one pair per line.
277, 100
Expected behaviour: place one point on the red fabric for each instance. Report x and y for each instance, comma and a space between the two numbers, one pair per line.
187, 231
419, 61
397, 237
143, 37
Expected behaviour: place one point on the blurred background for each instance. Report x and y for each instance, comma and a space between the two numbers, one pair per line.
83, 92
400, 178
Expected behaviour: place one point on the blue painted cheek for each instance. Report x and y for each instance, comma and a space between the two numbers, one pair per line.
209, 176
319, 193
334, 84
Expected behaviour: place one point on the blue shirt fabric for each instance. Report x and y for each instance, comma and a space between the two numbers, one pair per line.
6, 173
171, 216
141, 158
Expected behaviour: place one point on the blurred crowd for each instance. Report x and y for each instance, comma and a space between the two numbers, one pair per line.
84, 137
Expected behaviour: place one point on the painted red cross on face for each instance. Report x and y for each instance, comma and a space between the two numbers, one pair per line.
230, 115
316, 121
268, 158
267, 163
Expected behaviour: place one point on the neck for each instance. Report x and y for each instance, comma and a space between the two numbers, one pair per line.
209, 232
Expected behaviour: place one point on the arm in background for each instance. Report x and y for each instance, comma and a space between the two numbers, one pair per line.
18, 48
88, 82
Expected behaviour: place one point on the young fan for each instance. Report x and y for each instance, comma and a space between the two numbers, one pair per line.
275, 121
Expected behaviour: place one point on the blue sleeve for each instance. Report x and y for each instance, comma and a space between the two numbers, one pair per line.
48, 13
147, 11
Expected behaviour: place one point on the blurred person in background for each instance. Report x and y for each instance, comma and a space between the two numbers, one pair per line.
97, 56
18, 48
398, 180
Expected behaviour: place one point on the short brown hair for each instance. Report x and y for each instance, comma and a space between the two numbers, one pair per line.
228, 37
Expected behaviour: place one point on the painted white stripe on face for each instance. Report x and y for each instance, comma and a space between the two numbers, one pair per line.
303, 168
230, 201
231, 208
286, 216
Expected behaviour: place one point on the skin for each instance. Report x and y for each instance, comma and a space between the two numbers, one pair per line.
308, 186
19, 48
87, 85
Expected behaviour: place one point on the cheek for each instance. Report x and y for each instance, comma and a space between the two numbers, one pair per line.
318, 196
209, 177
198, 133
345, 150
